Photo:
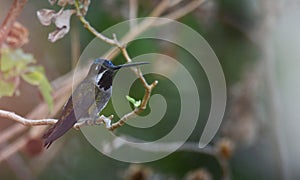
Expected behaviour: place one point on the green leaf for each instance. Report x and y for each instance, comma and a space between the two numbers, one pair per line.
133, 101
7, 89
137, 103
46, 90
130, 99
15, 59
36, 76
15, 63
6, 62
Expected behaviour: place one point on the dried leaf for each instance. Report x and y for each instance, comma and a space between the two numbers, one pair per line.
200, 173
84, 6
138, 172
52, 2
17, 36
63, 19
57, 34
62, 22
45, 16
65, 2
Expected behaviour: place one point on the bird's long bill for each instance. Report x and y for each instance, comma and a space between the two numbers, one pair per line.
130, 65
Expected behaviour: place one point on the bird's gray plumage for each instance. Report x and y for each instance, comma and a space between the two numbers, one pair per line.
88, 99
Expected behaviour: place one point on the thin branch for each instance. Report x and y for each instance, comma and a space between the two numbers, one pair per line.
75, 44
41, 110
185, 9
10, 18
147, 95
157, 11
87, 25
62, 91
136, 111
38, 122
141, 27
26, 122
161, 7
174, 2
19, 143
126, 55
133, 10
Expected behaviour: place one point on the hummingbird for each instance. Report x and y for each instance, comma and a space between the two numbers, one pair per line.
89, 98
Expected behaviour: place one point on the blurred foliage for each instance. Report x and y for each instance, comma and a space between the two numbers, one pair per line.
15, 64
224, 32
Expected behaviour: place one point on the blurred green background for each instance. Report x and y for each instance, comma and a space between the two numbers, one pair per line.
228, 26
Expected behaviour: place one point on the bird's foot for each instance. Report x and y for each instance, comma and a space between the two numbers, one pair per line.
106, 121
94, 121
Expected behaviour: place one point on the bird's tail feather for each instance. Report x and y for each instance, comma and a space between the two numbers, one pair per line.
59, 129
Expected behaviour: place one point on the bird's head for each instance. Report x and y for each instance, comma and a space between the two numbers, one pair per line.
103, 71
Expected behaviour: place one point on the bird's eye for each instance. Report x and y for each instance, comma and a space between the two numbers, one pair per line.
107, 64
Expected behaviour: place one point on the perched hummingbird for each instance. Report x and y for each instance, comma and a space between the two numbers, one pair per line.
88, 99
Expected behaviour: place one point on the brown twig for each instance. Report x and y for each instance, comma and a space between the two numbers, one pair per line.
157, 11
10, 18
38, 122
184, 10
87, 25
41, 110
75, 44
136, 111
26, 122
148, 88
133, 10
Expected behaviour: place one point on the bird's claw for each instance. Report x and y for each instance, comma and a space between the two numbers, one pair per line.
106, 121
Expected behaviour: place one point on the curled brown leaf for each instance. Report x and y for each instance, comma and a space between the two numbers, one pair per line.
199, 174
57, 34
52, 2
65, 2
17, 36
61, 20
45, 16
84, 6
62, 23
